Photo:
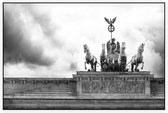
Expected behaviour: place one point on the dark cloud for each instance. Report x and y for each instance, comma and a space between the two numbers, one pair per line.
17, 44
73, 66
158, 38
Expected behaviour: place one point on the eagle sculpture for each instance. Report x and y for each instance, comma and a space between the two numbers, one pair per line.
110, 21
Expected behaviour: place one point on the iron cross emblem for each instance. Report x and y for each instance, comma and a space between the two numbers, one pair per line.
110, 21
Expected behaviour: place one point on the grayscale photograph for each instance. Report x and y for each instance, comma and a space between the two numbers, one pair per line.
83, 56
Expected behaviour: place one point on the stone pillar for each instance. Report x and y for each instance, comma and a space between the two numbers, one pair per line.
147, 85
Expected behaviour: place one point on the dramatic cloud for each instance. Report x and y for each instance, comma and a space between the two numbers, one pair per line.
17, 41
47, 40
155, 35
47, 26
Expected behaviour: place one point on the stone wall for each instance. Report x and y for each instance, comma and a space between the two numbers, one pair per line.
39, 85
37, 93
68, 85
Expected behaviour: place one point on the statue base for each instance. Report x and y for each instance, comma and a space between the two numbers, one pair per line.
113, 85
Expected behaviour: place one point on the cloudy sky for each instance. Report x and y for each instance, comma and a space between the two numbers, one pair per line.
46, 40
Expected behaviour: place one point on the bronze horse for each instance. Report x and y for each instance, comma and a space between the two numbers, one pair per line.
103, 59
123, 58
137, 59
89, 58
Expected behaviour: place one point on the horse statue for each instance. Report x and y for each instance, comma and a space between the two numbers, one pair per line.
118, 48
103, 59
89, 58
137, 59
123, 58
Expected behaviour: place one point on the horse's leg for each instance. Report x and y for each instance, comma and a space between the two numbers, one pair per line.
136, 67
125, 64
85, 65
92, 67
123, 67
132, 63
120, 67
132, 67
142, 64
95, 63
101, 64
95, 66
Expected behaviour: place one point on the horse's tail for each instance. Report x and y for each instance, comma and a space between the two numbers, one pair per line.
99, 63
96, 61
132, 59
129, 62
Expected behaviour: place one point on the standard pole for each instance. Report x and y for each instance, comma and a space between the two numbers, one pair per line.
111, 36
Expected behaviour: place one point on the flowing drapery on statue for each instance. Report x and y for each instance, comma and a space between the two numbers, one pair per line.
113, 55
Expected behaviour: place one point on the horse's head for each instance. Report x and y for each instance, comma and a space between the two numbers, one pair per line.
103, 46
86, 48
141, 48
123, 45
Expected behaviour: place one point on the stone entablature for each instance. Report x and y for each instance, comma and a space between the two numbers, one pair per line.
68, 85
112, 84
37, 80
14, 86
